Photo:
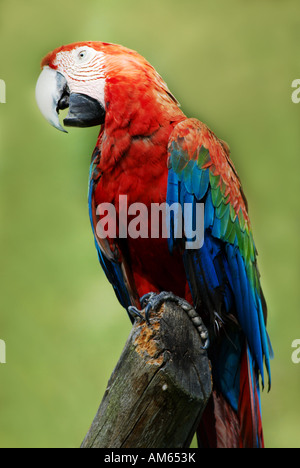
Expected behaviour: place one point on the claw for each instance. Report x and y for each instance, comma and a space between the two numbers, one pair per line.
144, 300
134, 312
147, 313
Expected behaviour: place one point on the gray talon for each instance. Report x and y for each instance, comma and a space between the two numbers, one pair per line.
134, 312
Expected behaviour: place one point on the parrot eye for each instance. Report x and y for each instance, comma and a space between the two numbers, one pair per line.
82, 54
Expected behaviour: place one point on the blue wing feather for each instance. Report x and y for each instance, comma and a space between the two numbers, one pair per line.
217, 273
111, 268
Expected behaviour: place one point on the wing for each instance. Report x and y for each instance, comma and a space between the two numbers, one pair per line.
222, 274
111, 257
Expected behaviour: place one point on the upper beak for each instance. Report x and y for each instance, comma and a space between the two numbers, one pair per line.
53, 94
50, 87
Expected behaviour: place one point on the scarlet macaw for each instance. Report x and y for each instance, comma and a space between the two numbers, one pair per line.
151, 152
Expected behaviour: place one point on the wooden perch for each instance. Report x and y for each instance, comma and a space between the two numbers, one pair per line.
159, 388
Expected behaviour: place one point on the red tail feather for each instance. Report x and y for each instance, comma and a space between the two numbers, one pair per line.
219, 426
251, 434
222, 427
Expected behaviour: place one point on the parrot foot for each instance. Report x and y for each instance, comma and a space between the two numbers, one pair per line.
153, 301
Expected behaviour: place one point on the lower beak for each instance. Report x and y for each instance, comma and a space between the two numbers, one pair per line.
84, 111
53, 94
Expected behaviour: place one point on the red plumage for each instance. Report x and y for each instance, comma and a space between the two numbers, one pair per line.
139, 123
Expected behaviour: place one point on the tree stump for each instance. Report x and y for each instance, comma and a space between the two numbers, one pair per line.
157, 393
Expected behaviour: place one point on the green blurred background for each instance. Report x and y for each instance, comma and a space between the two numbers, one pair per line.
231, 64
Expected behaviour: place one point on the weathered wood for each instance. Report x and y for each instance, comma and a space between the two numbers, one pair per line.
159, 388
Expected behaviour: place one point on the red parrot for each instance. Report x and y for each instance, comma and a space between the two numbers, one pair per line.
149, 152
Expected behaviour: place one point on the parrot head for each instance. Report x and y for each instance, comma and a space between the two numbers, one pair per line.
76, 77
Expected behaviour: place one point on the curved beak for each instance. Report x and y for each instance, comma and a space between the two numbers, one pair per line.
53, 94
50, 87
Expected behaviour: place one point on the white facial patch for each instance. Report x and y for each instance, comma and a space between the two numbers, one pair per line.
84, 70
